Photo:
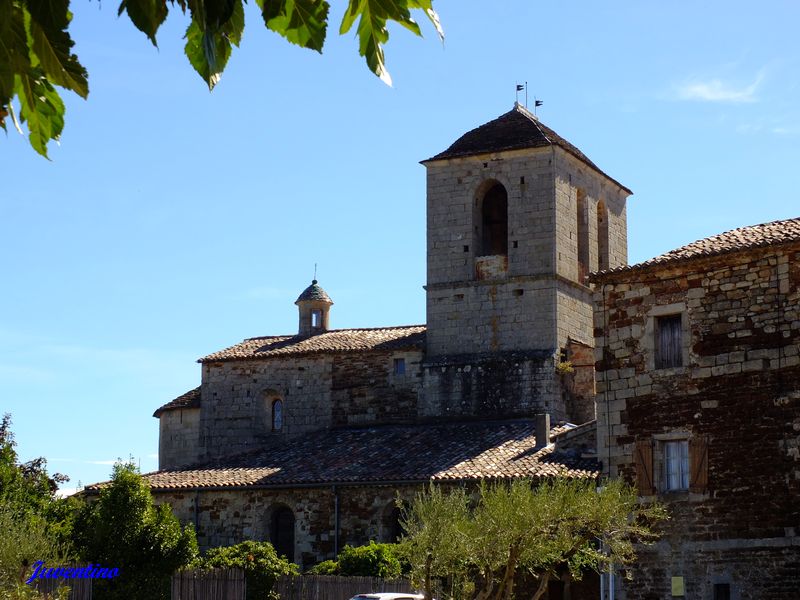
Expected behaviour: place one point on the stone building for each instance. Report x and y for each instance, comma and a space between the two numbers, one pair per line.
698, 403
306, 439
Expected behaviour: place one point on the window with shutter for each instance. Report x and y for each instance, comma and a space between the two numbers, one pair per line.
643, 459
668, 342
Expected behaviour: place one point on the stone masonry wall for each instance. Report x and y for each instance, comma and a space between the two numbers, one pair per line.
318, 392
226, 517
738, 388
365, 388
178, 438
236, 401
492, 386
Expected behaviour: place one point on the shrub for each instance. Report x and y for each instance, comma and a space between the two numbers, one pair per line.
326, 567
259, 561
374, 560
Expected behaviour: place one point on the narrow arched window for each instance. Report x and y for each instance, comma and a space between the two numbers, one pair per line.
281, 532
603, 253
582, 236
277, 414
494, 221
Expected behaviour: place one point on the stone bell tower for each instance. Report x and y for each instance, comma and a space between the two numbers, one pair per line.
314, 306
516, 218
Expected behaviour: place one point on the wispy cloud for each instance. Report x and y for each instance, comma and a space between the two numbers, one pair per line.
717, 90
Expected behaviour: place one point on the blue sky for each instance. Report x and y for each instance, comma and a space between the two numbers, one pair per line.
172, 222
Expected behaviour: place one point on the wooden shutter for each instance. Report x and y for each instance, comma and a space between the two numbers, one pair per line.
643, 458
698, 464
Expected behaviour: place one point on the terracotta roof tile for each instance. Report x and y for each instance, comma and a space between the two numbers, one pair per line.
514, 130
190, 399
335, 340
743, 238
437, 452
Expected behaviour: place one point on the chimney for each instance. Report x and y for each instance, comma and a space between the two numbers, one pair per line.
542, 430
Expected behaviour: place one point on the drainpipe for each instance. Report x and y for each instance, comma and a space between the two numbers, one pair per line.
196, 516
335, 522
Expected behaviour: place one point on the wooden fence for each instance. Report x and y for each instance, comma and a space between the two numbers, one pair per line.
80, 589
331, 587
213, 584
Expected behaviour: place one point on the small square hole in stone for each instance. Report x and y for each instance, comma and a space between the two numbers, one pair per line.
518, 292
515, 244
522, 180
466, 248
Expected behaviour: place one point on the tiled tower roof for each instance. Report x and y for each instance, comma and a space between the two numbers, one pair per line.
314, 293
515, 130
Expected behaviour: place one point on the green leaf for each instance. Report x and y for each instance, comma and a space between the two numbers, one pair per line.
41, 107
302, 22
372, 34
208, 52
146, 15
13, 51
51, 44
433, 17
234, 27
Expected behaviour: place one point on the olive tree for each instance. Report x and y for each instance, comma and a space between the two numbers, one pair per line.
522, 530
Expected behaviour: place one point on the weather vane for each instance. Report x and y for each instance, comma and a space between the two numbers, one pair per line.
536, 103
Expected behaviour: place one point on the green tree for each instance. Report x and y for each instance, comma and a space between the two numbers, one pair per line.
520, 531
36, 47
35, 524
259, 561
123, 529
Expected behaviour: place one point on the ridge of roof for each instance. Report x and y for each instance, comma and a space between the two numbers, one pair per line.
515, 130
783, 231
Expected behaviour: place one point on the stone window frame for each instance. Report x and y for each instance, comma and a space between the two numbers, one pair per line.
649, 338
270, 397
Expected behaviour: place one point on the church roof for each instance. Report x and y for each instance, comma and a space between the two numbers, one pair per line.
460, 451
515, 130
315, 293
335, 340
742, 238
190, 399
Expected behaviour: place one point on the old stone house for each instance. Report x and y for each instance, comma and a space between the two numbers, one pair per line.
306, 439
698, 403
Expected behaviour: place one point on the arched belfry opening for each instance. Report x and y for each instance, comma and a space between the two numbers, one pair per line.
494, 221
